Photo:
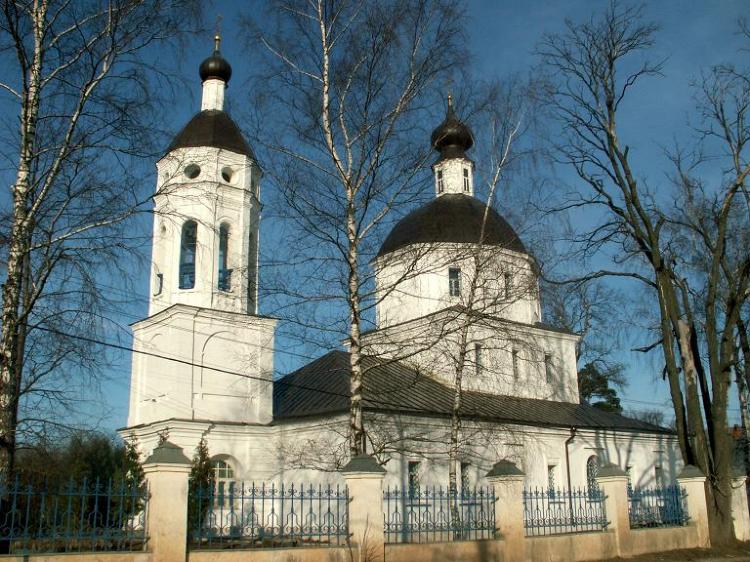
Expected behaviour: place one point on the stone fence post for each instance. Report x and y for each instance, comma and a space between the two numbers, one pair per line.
740, 513
507, 480
364, 479
694, 483
613, 483
167, 471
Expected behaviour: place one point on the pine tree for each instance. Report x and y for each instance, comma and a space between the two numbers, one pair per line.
133, 477
202, 482
163, 436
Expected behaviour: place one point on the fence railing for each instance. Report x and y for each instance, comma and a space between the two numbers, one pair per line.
260, 515
75, 517
663, 506
436, 515
550, 512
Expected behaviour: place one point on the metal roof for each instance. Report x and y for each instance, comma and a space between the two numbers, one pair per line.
322, 388
212, 127
453, 217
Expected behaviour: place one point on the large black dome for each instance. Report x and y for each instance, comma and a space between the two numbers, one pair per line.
452, 218
212, 127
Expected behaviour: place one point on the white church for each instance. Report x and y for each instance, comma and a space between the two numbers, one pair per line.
203, 361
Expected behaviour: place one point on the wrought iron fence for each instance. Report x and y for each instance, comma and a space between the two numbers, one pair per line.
436, 515
663, 506
75, 517
551, 512
260, 515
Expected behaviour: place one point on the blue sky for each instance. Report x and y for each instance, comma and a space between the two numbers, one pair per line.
502, 35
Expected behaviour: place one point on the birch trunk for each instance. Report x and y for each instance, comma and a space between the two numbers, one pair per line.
13, 325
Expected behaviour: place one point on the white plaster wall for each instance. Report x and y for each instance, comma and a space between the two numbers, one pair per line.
432, 345
311, 451
234, 344
533, 449
210, 200
414, 282
453, 176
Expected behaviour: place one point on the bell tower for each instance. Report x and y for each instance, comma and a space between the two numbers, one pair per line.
203, 353
205, 241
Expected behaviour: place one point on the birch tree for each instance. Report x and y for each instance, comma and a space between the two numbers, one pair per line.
79, 78
502, 120
592, 68
350, 78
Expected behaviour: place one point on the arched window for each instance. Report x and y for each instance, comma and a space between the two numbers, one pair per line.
225, 274
188, 242
224, 478
592, 471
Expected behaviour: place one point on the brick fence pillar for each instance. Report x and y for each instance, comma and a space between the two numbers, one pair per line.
740, 513
507, 480
613, 483
364, 479
694, 483
167, 471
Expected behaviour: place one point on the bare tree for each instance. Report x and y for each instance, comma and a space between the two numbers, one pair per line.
501, 115
350, 78
84, 90
591, 69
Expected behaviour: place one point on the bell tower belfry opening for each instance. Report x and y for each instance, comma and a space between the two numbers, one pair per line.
203, 353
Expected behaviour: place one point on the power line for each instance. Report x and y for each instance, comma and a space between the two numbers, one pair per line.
267, 348
219, 369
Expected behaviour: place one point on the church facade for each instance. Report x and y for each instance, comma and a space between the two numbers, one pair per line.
457, 295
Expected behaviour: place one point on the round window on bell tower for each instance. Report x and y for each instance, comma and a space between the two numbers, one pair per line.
192, 171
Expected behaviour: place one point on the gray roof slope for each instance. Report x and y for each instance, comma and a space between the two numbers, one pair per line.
453, 217
212, 127
322, 387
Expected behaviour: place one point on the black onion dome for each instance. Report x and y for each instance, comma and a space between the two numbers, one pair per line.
215, 66
453, 217
452, 138
212, 127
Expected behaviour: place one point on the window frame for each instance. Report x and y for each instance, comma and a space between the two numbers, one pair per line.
478, 358
593, 465
224, 273
551, 478
188, 267
440, 181
467, 186
413, 482
454, 281
464, 476
223, 494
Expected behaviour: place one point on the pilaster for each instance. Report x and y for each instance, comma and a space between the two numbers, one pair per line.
740, 512
507, 480
694, 483
613, 484
167, 471
364, 479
